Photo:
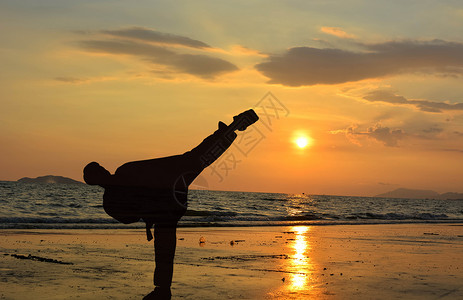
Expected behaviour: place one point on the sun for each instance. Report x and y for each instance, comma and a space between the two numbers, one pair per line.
301, 139
302, 142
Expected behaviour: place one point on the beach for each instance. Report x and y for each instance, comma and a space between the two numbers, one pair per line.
402, 261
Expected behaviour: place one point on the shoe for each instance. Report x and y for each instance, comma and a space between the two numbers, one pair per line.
159, 294
244, 119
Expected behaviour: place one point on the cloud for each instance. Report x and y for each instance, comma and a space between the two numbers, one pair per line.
424, 105
336, 31
150, 35
301, 66
200, 65
385, 135
72, 80
386, 183
453, 150
433, 130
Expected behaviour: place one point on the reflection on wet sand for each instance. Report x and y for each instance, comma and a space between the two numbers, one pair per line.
300, 266
300, 261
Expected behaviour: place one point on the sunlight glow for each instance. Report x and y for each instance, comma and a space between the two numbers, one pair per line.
302, 141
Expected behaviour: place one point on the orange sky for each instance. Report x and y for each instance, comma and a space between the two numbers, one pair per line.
376, 87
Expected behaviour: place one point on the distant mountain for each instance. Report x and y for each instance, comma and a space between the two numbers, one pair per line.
49, 179
451, 195
419, 194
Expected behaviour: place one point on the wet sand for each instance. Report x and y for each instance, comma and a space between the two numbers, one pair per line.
403, 261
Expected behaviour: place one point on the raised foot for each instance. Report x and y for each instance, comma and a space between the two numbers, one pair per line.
244, 119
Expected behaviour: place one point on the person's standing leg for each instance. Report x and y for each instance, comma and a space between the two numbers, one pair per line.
165, 240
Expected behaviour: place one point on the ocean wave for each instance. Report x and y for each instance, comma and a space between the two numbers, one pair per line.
305, 217
232, 217
189, 224
399, 216
191, 212
55, 220
273, 199
33, 206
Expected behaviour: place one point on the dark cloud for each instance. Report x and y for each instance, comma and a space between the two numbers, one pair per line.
200, 65
414, 129
308, 66
424, 105
150, 35
386, 183
453, 150
433, 130
126, 47
73, 80
385, 135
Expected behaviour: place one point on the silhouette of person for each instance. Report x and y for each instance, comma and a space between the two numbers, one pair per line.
155, 190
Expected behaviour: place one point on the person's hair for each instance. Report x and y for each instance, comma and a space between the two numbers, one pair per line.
94, 174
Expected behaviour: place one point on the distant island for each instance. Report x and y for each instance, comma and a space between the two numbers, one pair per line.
420, 194
50, 179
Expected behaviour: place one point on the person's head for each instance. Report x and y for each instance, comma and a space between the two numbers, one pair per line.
94, 174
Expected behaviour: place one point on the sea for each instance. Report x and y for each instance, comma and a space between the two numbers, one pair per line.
69, 206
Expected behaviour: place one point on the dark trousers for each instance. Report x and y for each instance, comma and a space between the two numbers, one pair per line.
165, 240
